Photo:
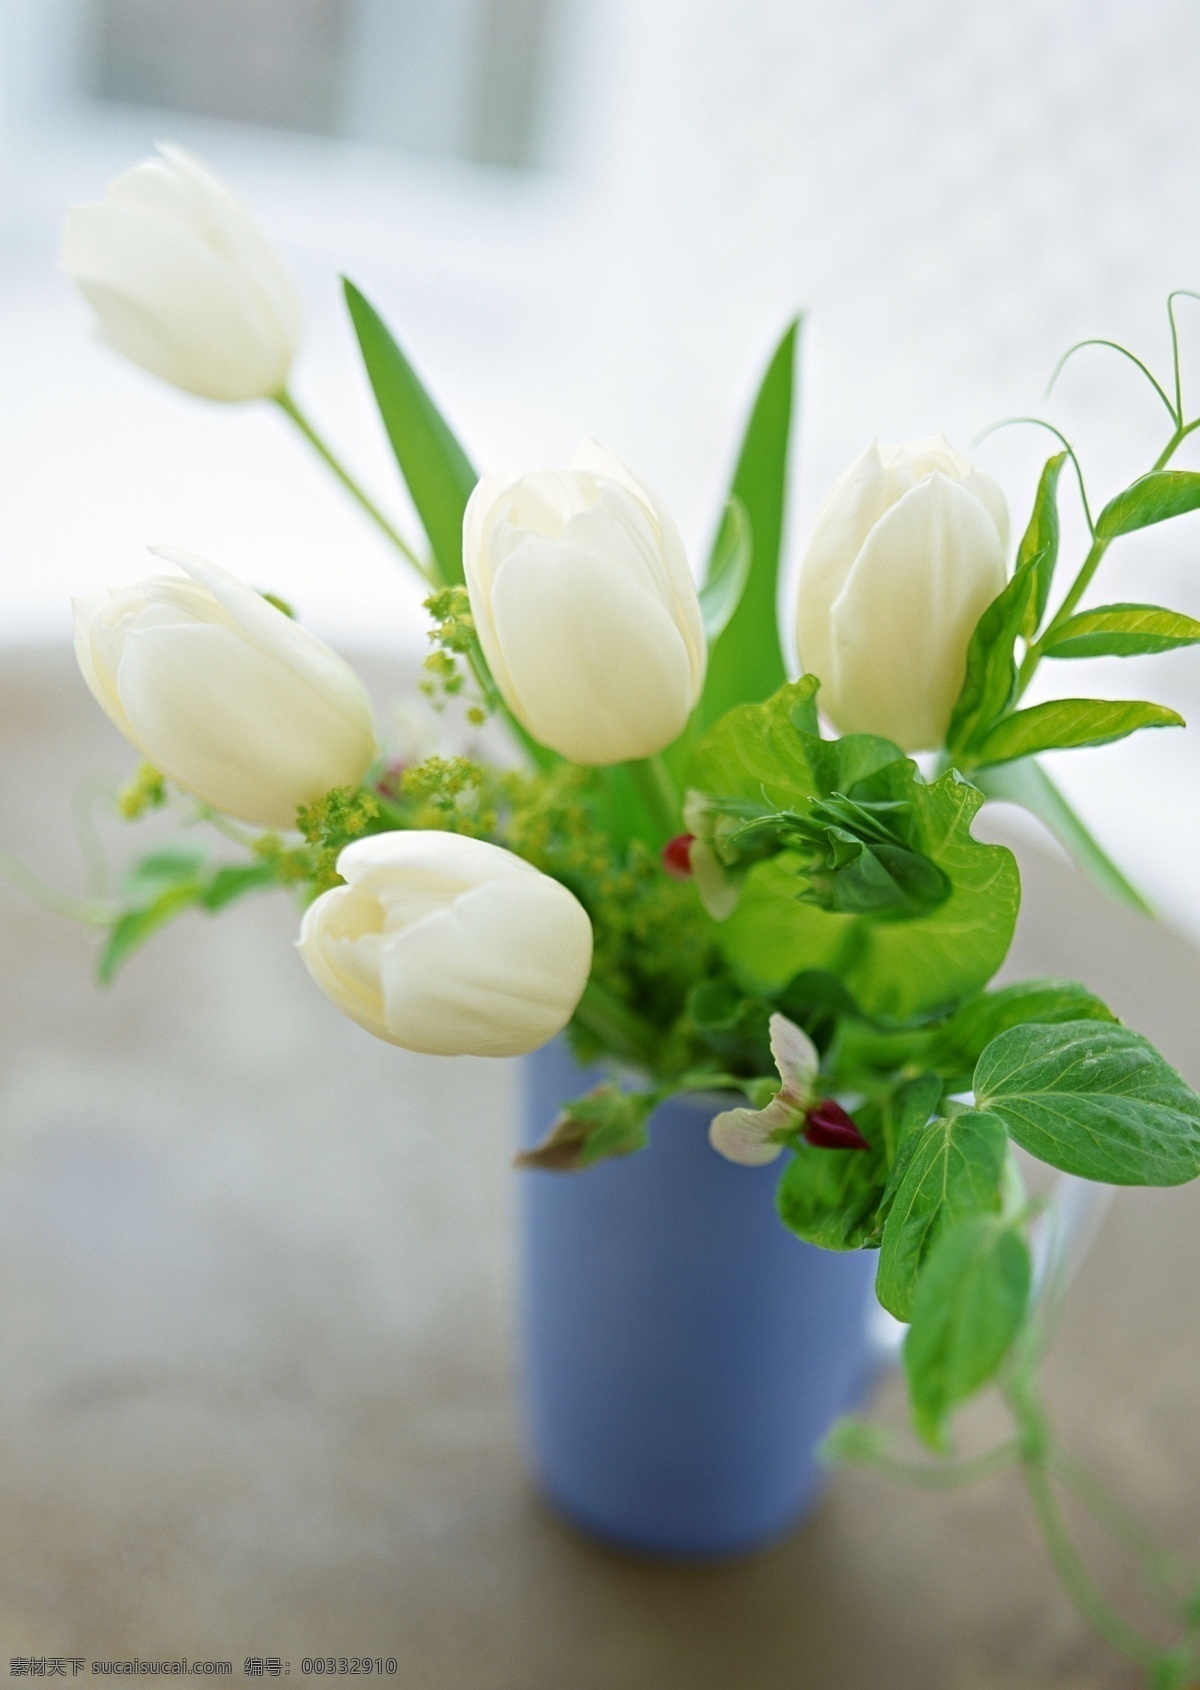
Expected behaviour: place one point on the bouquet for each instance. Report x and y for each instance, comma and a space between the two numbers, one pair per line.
709, 875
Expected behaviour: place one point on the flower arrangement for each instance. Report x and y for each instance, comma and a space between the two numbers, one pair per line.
710, 875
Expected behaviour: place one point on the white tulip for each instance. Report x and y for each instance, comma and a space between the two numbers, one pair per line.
585, 607
448, 945
223, 693
184, 282
906, 553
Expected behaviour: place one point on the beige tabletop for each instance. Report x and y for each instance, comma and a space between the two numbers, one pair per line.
256, 1376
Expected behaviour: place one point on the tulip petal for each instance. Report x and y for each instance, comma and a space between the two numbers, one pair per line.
851, 508
598, 670
903, 620
164, 299
233, 725
467, 980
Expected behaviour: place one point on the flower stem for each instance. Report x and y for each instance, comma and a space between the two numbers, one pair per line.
290, 408
658, 792
620, 1028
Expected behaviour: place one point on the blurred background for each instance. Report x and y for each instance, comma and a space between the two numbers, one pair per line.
593, 216
255, 1266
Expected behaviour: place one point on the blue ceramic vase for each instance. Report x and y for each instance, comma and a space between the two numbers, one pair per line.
683, 1353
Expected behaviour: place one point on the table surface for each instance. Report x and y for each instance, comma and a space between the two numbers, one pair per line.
257, 1384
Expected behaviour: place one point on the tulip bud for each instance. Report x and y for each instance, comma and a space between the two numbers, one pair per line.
906, 553
448, 945
223, 693
585, 607
184, 282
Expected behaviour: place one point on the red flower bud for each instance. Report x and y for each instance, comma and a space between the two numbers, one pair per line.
676, 856
828, 1127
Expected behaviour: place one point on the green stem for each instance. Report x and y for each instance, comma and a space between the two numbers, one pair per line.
658, 792
947, 1475
1174, 443
1163, 1575
1078, 587
92, 912
290, 409
1037, 1457
1089, 567
625, 1033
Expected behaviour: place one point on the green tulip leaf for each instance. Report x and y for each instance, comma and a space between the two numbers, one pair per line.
745, 662
1026, 783
1123, 630
1041, 540
1068, 723
728, 570
944, 1173
1156, 497
969, 1307
436, 470
1094, 1099
895, 967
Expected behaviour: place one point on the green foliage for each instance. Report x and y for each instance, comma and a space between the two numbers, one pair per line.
1094, 1099
162, 885
760, 754
956, 1045
970, 1304
1067, 723
607, 1122
829, 1197
1156, 497
745, 661
1041, 540
728, 570
333, 822
945, 1172
990, 683
147, 790
1122, 630
854, 857
436, 470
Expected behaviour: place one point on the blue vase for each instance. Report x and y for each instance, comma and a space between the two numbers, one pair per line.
683, 1353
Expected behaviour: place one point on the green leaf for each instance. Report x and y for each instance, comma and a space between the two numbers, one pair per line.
173, 865
607, 1122
897, 968
233, 881
1026, 783
132, 929
960, 1042
728, 570
945, 1173
969, 1307
1041, 537
829, 1197
990, 683
746, 661
1156, 497
1067, 723
435, 468
1093, 1099
1123, 630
